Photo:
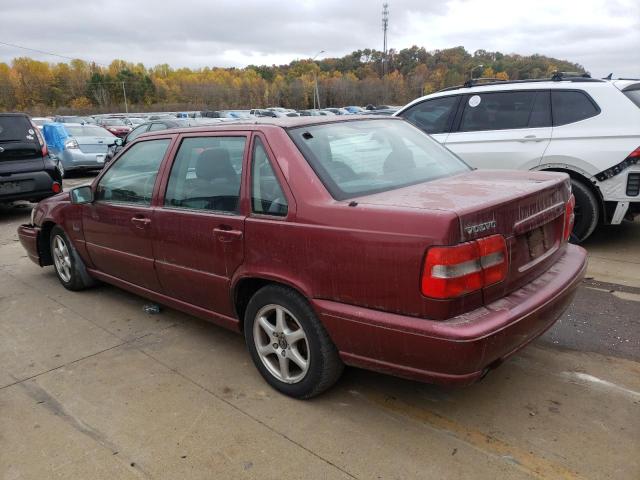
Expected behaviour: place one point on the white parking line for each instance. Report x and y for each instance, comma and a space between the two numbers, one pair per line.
604, 384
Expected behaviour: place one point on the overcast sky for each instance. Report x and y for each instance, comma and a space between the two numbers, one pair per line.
602, 35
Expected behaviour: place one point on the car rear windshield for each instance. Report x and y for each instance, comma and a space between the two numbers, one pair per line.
16, 128
355, 158
88, 131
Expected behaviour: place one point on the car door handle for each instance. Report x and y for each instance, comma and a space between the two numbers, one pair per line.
530, 138
141, 222
227, 234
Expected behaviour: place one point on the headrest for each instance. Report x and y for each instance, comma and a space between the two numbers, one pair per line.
214, 163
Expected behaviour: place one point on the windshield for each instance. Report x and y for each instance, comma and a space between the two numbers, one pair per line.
368, 156
41, 121
113, 121
88, 131
136, 121
239, 114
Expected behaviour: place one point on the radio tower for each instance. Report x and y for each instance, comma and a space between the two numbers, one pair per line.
385, 27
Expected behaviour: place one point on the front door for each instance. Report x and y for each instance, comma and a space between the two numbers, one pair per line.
199, 229
118, 226
508, 130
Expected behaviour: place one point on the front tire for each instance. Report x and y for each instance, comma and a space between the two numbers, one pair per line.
288, 344
587, 212
68, 265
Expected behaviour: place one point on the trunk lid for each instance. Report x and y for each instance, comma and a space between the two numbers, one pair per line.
90, 144
527, 208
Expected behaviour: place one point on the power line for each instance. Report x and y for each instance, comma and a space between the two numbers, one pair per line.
51, 53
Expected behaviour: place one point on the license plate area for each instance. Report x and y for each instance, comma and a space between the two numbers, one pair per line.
8, 188
537, 242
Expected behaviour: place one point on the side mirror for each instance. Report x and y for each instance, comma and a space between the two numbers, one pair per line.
80, 195
118, 141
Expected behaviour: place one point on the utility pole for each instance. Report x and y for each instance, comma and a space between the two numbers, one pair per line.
316, 94
385, 27
124, 91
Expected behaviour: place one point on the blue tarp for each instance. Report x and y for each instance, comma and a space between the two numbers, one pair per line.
55, 134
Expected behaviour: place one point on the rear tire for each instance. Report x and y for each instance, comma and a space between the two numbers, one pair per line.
294, 354
587, 212
68, 265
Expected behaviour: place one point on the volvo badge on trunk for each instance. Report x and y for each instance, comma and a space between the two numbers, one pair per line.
480, 227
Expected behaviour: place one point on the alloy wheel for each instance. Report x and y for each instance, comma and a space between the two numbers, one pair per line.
281, 343
62, 258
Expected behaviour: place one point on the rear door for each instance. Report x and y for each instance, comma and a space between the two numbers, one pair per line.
20, 149
119, 225
199, 229
509, 130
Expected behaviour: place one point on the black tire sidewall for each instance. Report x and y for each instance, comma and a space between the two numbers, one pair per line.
308, 321
587, 203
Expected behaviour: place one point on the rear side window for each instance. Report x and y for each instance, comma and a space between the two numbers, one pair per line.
16, 128
633, 95
267, 197
433, 116
497, 111
571, 106
206, 174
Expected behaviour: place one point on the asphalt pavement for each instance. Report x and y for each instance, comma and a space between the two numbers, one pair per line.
92, 387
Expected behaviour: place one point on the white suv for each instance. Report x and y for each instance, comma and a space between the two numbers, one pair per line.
586, 127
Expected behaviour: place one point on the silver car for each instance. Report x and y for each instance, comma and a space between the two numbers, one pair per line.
85, 147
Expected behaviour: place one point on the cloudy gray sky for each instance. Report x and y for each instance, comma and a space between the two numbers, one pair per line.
602, 35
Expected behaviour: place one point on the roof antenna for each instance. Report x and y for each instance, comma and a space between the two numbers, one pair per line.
608, 77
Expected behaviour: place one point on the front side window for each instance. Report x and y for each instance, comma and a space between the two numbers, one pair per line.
206, 174
433, 116
367, 156
132, 177
136, 132
157, 126
267, 197
497, 111
571, 106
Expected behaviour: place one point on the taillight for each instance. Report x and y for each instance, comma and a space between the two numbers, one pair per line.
44, 150
56, 187
632, 159
71, 143
450, 272
569, 217
493, 259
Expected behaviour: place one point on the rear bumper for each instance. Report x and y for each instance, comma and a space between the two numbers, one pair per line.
28, 235
459, 350
34, 186
79, 160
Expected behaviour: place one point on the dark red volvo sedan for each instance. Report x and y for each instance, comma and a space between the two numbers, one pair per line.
326, 241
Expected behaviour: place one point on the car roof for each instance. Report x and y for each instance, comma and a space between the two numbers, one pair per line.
279, 122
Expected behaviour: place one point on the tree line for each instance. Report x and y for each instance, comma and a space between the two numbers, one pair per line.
355, 79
